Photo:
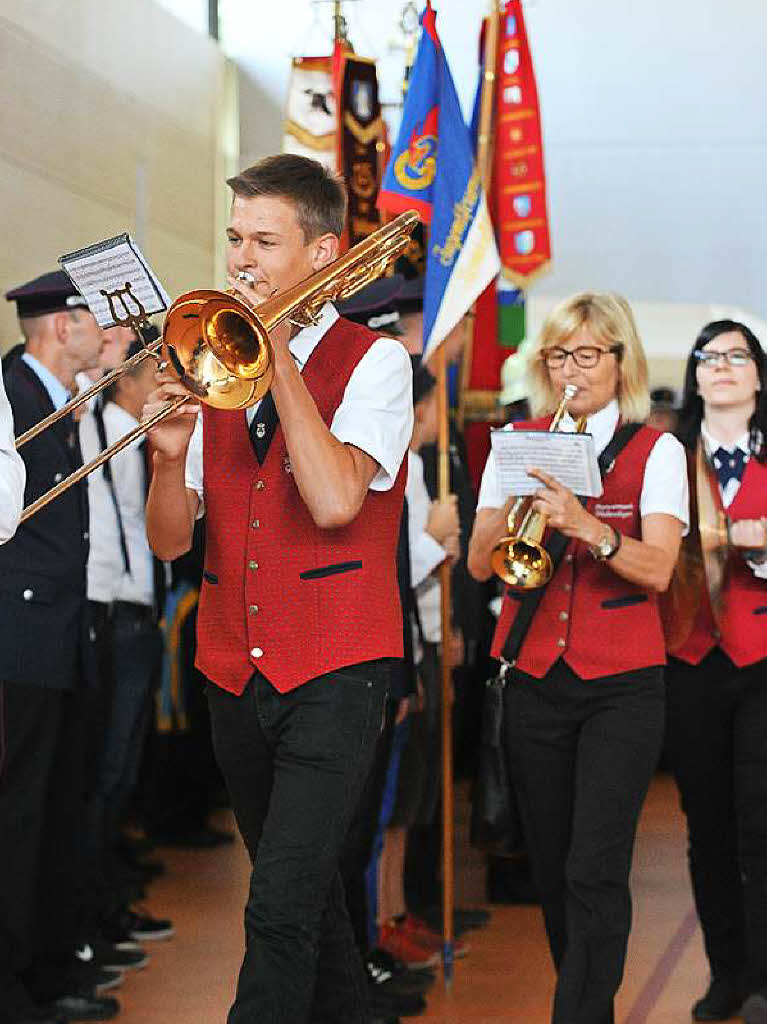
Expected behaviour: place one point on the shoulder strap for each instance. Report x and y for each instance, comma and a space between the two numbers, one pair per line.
98, 415
557, 544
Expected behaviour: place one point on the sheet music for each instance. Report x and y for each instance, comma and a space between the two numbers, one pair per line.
110, 266
569, 458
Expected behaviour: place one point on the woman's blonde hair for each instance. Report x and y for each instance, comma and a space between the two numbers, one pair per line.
609, 319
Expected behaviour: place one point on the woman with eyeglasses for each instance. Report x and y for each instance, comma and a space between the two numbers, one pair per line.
583, 701
717, 679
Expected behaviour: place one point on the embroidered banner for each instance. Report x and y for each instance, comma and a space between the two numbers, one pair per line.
518, 194
311, 119
361, 138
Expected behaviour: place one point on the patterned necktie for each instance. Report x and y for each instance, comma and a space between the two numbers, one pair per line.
729, 465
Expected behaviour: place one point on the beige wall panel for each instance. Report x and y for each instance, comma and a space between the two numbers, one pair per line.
57, 220
137, 46
72, 128
120, 122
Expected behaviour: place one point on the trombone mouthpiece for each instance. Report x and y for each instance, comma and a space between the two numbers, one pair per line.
570, 391
243, 275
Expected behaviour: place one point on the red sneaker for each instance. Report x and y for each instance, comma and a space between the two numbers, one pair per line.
402, 945
421, 933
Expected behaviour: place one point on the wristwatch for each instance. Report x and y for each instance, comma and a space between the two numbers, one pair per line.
607, 546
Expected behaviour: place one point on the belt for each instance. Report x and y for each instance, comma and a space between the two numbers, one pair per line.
124, 611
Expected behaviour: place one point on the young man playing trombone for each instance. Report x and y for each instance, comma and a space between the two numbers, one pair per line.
299, 611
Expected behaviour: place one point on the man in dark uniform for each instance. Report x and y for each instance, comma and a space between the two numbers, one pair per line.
42, 601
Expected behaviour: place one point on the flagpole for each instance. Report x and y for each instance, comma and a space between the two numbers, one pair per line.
448, 814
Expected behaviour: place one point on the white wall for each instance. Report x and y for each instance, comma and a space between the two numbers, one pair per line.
113, 119
654, 121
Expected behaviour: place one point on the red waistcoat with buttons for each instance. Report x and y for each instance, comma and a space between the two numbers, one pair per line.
279, 593
598, 622
742, 628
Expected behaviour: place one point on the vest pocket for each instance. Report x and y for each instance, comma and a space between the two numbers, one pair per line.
761, 611
209, 577
624, 602
329, 570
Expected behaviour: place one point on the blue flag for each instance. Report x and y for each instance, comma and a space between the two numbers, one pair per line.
432, 170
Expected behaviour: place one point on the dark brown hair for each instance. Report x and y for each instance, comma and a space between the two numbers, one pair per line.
317, 194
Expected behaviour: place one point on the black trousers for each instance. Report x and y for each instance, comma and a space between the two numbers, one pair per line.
582, 753
42, 810
717, 732
295, 765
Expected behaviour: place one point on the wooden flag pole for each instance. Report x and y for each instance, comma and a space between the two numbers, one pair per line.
448, 810
448, 816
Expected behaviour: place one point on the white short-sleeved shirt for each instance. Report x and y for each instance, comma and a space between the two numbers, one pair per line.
108, 579
375, 414
13, 474
664, 486
425, 555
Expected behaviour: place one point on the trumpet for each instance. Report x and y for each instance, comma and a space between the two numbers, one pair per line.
519, 558
219, 348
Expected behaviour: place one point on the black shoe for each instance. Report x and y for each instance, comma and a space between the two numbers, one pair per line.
81, 1006
721, 1001
405, 983
204, 838
138, 927
754, 1010
390, 1005
104, 954
420, 979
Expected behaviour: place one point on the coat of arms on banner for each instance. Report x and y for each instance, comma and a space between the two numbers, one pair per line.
311, 120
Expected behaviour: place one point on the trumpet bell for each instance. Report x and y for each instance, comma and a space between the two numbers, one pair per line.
189, 351
521, 563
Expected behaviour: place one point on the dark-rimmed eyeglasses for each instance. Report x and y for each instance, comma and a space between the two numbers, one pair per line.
585, 357
735, 357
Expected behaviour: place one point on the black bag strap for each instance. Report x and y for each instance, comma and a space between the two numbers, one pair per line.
556, 546
98, 415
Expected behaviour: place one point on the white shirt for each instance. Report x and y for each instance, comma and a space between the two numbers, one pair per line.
733, 486
375, 414
664, 485
425, 555
13, 474
107, 579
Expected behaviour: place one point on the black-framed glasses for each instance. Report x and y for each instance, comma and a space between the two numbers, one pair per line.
585, 357
712, 358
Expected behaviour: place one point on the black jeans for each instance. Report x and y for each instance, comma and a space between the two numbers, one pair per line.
582, 753
717, 731
294, 765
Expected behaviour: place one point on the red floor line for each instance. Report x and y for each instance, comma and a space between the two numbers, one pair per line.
655, 984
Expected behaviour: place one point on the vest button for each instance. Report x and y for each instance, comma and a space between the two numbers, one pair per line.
260, 485
563, 616
253, 609
28, 594
716, 634
255, 524
58, 478
256, 653
561, 642
252, 565
568, 558
568, 586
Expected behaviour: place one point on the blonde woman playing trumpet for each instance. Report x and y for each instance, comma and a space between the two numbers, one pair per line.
583, 704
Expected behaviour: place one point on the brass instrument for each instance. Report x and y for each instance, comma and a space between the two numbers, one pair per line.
519, 558
219, 348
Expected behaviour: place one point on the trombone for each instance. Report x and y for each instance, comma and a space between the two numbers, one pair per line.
219, 348
520, 558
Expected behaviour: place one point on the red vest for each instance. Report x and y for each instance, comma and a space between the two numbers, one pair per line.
279, 593
742, 632
598, 622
